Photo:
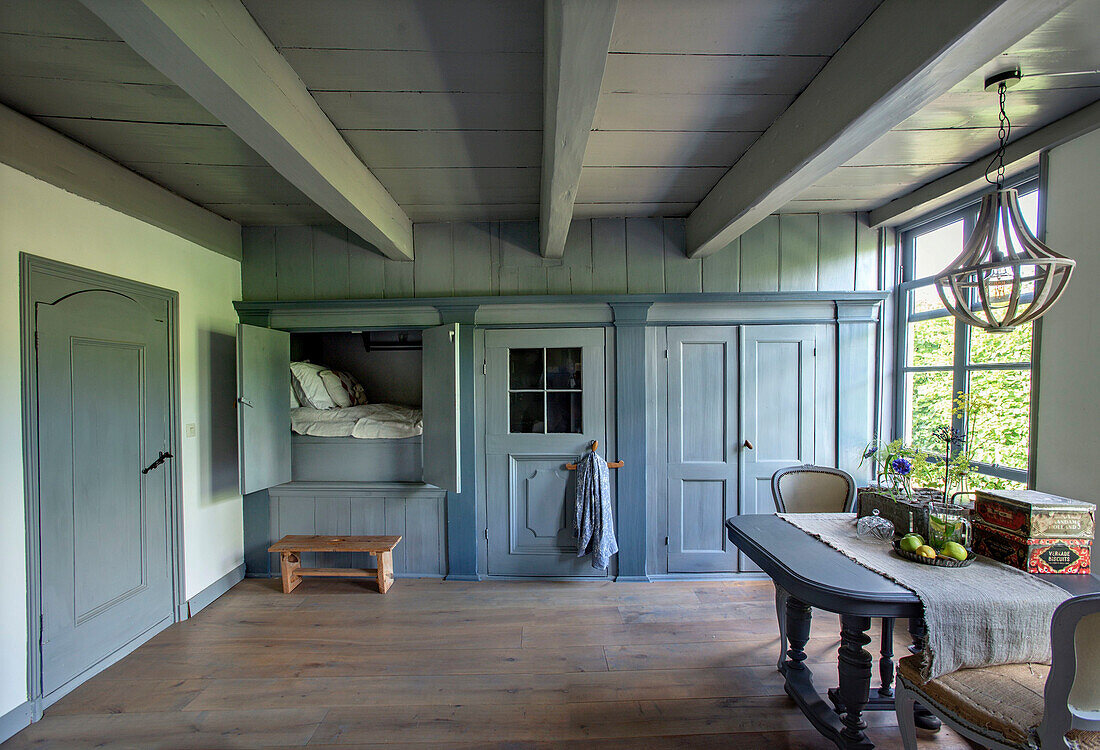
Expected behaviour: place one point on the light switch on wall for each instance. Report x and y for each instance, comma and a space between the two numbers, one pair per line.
190, 430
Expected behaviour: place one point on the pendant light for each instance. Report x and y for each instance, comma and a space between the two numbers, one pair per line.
1005, 276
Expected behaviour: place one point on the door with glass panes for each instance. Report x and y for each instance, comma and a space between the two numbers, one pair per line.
544, 403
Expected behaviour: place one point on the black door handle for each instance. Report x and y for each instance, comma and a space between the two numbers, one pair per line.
164, 456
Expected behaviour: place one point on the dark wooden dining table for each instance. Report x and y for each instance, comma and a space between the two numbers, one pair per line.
815, 575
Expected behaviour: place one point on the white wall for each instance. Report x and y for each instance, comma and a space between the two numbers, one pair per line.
38, 218
1069, 384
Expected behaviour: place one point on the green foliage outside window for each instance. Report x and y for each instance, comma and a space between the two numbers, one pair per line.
997, 419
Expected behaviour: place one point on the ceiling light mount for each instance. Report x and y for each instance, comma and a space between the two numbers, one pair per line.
1008, 77
1005, 276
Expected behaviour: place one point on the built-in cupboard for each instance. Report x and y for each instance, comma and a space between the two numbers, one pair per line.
703, 397
735, 403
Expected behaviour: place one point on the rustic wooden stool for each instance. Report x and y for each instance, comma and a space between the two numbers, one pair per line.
291, 546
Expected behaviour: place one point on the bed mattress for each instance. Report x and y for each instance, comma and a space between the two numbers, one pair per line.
366, 422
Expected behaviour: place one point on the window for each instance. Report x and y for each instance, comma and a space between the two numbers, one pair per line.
544, 390
942, 358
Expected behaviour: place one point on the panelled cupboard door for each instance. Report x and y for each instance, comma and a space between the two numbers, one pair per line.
442, 444
778, 411
263, 407
544, 404
103, 401
703, 448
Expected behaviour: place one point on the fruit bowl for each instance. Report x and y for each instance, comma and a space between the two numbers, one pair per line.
939, 560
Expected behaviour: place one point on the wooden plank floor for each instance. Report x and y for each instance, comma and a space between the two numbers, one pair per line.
448, 664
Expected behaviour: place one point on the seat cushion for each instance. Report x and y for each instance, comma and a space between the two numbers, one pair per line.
1005, 700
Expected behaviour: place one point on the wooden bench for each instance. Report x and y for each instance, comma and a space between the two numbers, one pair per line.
291, 546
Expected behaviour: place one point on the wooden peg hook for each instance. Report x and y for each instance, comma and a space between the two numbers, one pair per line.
611, 464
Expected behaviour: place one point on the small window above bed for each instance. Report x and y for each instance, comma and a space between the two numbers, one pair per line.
544, 390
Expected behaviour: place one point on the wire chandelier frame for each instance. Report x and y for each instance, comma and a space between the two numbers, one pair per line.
1005, 276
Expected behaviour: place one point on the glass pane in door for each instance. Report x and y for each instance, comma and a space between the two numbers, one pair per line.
563, 369
525, 369
563, 411
526, 412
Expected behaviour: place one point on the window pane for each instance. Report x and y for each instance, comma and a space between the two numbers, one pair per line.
1000, 425
1029, 209
931, 342
978, 481
934, 250
927, 406
988, 347
563, 412
927, 299
524, 368
525, 413
563, 368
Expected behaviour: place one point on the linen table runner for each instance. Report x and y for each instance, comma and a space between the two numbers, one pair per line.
977, 616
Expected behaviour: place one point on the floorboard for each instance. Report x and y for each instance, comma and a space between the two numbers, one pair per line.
513, 664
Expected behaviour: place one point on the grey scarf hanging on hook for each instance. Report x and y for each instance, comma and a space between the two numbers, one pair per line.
592, 524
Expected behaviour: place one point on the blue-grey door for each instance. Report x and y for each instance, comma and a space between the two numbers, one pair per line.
263, 407
779, 381
544, 403
703, 447
103, 411
442, 444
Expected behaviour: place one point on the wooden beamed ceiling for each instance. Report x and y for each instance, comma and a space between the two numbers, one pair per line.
379, 114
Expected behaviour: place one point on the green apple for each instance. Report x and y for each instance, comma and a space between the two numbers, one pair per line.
910, 542
955, 550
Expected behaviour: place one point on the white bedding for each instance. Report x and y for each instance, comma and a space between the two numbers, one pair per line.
366, 421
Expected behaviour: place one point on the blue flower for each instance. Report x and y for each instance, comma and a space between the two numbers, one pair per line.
901, 466
870, 451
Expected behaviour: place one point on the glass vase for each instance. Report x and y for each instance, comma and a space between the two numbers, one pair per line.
948, 522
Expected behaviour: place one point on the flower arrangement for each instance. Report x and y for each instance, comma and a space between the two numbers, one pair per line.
898, 468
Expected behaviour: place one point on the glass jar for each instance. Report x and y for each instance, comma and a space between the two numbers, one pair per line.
948, 522
875, 528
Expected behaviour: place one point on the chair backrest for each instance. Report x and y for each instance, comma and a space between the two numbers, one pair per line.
813, 489
1072, 693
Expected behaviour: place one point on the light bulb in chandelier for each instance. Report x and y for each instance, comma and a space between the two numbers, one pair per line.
1005, 276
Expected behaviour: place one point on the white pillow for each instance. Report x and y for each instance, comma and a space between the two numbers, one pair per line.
293, 396
343, 389
306, 379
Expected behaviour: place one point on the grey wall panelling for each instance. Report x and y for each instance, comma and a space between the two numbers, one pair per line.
795, 252
416, 513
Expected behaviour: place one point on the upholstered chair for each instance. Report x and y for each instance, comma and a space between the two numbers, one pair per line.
1019, 706
808, 489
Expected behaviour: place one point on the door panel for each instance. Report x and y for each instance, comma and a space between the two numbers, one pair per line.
263, 406
442, 447
544, 403
103, 417
778, 409
702, 448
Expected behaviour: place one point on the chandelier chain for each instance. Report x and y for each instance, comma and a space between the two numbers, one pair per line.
1003, 133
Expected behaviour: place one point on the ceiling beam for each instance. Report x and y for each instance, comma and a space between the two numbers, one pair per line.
214, 51
963, 180
578, 35
41, 152
903, 56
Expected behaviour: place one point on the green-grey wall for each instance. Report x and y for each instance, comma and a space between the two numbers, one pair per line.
793, 252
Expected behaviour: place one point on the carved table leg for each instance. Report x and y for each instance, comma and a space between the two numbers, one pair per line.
924, 718
799, 616
290, 562
886, 662
855, 678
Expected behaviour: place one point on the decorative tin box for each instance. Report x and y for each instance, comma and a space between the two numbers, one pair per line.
1033, 555
1035, 515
